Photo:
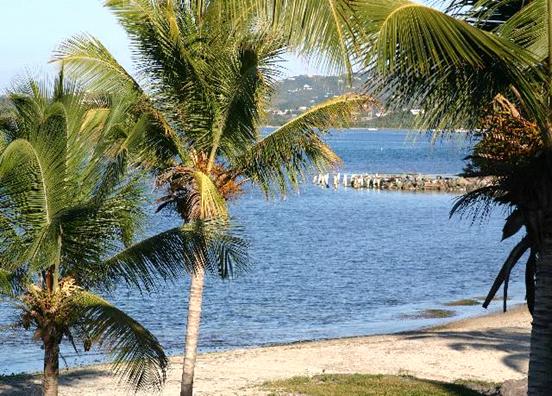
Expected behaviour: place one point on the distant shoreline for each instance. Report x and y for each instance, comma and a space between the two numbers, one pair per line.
381, 129
367, 129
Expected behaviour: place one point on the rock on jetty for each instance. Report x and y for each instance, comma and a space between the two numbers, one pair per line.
404, 182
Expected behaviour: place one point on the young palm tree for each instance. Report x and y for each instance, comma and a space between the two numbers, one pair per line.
207, 83
68, 202
460, 69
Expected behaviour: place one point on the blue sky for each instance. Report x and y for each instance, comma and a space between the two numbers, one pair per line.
31, 29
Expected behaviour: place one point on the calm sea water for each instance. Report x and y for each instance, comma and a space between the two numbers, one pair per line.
327, 263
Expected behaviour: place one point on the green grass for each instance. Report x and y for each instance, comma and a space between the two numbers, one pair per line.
498, 297
463, 303
17, 377
365, 385
431, 314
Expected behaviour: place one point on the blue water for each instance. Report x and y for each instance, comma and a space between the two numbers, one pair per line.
327, 263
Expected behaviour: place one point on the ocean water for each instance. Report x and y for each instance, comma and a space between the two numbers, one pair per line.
326, 263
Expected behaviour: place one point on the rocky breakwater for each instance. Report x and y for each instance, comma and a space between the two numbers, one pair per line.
403, 182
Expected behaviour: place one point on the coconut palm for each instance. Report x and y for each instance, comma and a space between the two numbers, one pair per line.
207, 81
465, 73
505, 152
69, 208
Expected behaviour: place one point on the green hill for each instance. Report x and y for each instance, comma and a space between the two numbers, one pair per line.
295, 94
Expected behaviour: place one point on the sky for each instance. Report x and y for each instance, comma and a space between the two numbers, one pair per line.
31, 29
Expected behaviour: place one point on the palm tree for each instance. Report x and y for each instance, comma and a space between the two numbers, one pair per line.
505, 153
489, 69
69, 208
207, 83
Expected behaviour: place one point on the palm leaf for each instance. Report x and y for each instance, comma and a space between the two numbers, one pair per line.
87, 58
227, 249
283, 157
528, 28
6, 287
137, 356
422, 57
326, 31
165, 256
215, 246
245, 82
504, 274
210, 202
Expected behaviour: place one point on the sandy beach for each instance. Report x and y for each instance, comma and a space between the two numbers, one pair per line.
491, 348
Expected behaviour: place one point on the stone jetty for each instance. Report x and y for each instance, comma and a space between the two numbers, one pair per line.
403, 182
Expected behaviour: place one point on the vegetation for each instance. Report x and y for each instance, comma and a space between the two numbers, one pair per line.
431, 314
464, 73
294, 95
462, 303
211, 84
69, 198
366, 385
69, 208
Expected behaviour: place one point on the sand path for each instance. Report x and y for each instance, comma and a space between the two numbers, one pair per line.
488, 348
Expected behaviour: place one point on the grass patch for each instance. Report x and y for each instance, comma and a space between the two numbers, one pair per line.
431, 314
463, 303
485, 387
498, 297
365, 385
17, 377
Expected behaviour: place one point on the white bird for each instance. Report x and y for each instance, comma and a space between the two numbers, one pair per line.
336, 180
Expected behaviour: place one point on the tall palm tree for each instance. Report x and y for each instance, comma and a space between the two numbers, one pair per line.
465, 73
69, 209
207, 81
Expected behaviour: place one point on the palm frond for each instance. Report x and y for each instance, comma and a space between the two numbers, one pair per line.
137, 356
213, 245
327, 32
528, 28
192, 192
86, 57
486, 14
283, 158
245, 82
504, 274
6, 284
422, 57
227, 249
211, 204
162, 257
477, 204
24, 207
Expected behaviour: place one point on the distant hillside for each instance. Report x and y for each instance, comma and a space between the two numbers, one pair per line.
296, 94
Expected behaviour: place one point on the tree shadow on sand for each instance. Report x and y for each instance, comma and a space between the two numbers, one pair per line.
512, 341
30, 385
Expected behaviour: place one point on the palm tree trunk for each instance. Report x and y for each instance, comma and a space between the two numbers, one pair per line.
540, 360
192, 331
51, 365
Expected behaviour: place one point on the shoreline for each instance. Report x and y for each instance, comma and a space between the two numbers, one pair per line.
492, 347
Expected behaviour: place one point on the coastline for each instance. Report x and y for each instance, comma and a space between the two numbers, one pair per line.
492, 347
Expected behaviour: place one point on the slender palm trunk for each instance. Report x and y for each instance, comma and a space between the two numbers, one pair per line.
192, 331
51, 364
